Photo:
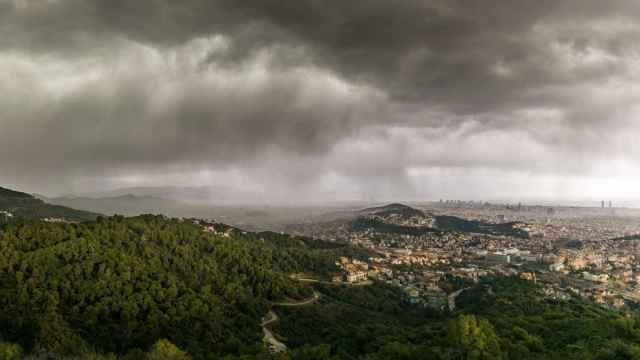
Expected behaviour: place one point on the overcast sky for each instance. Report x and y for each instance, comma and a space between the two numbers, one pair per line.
302, 100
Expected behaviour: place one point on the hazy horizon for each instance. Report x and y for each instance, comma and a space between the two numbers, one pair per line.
195, 197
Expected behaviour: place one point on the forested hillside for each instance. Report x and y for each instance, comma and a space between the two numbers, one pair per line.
25, 206
118, 285
498, 319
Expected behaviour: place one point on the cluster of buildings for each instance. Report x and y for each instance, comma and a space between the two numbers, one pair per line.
592, 253
429, 286
215, 228
55, 220
598, 294
602, 270
352, 271
422, 220
221, 232
437, 288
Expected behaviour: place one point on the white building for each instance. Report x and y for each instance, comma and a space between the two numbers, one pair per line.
531, 258
556, 266
603, 278
356, 276
499, 257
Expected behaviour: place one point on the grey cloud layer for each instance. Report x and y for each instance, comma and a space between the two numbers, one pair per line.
134, 86
147, 110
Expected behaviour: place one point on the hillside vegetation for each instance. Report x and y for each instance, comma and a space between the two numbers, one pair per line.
389, 219
119, 285
498, 319
25, 206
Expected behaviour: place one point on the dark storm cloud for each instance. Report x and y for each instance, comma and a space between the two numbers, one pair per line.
120, 86
169, 113
436, 51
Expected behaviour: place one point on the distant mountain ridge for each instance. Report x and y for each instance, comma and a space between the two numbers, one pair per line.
126, 204
26, 206
199, 195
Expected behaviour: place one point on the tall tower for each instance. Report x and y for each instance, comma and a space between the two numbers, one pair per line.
603, 204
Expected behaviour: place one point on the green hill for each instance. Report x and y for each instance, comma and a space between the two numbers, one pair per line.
395, 209
25, 206
371, 218
117, 285
7, 193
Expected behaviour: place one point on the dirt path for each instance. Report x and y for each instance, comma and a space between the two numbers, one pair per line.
270, 318
452, 298
334, 283
311, 300
274, 345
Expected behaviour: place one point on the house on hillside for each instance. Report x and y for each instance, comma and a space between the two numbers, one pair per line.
356, 276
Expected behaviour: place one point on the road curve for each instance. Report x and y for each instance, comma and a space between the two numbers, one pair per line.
274, 345
311, 300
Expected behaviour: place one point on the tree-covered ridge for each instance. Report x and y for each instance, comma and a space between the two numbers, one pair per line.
395, 209
25, 206
443, 224
120, 284
8, 193
393, 218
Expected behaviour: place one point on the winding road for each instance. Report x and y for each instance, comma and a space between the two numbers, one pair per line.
452, 298
334, 283
311, 300
271, 317
276, 346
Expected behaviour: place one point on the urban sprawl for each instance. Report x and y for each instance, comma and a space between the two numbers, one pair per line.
586, 252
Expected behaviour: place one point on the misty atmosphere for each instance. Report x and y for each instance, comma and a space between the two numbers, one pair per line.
304, 102
319, 180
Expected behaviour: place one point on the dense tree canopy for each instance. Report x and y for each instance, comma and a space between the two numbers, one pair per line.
120, 284
500, 318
